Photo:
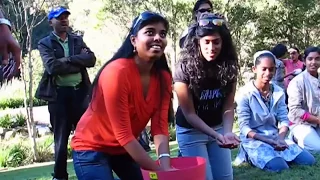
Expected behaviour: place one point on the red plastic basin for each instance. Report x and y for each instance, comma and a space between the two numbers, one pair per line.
188, 168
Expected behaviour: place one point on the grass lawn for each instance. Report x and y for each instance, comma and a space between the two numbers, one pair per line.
244, 172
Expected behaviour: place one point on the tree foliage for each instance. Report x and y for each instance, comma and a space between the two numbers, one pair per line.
254, 24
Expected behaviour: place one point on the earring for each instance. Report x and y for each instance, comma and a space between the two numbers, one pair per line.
134, 49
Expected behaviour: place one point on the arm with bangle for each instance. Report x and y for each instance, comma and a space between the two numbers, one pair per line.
159, 125
296, 111
117, 106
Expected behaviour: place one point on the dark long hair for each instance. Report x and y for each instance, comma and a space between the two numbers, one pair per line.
126, 51
225, 67
279, 50
310, 50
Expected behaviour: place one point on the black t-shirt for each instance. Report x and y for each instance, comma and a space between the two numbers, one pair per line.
208, 102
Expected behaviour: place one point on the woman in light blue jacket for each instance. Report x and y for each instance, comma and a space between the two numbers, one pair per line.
262, 116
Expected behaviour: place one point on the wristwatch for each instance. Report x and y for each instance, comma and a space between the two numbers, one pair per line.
6, 22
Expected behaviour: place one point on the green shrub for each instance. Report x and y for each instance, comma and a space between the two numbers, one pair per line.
19, 102
44, 149
19, 120
13, 156
172, 133
6, 122
69, 151
4, 153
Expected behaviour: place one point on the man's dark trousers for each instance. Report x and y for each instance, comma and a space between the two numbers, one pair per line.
65, 112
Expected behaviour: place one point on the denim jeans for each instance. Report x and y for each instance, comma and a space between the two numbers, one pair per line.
195, 143
65, 112
278, 164
91, 165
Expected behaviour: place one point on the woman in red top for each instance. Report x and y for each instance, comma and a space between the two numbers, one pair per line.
129, 90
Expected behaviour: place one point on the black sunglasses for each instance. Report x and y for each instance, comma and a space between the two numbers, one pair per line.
204, 10
145, 16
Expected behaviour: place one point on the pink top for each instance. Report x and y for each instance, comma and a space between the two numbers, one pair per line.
291, 66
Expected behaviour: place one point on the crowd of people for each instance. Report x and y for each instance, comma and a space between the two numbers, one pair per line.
278, 112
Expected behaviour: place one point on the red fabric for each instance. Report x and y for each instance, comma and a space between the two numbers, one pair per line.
119, 112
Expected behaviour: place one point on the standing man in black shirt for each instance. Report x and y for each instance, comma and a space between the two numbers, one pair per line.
65, 82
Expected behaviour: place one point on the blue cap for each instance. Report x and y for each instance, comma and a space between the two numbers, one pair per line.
56, 12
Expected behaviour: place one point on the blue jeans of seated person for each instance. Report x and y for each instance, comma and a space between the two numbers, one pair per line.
195, 143
92, 165
278, 164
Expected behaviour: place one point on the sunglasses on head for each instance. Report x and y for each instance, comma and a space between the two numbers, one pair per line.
144, 16
204, 10
206, 22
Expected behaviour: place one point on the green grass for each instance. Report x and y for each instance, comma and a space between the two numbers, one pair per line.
244, 172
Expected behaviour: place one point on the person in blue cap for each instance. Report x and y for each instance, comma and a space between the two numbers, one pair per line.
65, 82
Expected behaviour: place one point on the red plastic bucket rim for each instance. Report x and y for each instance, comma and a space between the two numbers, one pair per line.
187, 168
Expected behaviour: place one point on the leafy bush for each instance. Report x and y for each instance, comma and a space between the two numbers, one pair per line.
44, 149
20, 120
69, 151
13, 156
3, 157
18, 103
172, 133
7, 121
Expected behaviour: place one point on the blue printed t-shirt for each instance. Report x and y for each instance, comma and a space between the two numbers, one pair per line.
208, 102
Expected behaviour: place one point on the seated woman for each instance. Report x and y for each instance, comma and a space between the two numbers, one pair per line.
304, 103
261, 108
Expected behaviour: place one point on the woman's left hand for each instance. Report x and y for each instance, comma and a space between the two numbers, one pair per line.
231, 140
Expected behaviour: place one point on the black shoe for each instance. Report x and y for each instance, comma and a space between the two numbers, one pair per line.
54, 178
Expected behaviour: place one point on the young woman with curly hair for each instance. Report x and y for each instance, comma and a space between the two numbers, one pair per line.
205, 83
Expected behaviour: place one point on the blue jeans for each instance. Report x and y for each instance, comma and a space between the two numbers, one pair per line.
90, 165
218, 160
278, 164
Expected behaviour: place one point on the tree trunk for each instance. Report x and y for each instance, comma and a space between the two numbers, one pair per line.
30, 121
33, 129
25, 99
